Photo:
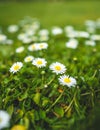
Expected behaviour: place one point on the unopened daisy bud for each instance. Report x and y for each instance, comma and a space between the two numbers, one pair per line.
75, 59
43, 72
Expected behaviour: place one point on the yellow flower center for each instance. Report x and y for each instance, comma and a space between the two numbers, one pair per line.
39, 62
33, 46
58, 68
67, 80
41, 46
18, 127
16, 67
28, 59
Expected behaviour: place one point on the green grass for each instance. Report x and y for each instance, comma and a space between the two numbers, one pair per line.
23, 94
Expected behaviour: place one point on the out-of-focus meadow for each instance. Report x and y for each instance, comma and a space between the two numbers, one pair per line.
50, 13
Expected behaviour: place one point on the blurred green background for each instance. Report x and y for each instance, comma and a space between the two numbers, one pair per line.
49, 12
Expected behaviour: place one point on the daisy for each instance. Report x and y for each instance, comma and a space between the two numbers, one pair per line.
95, 37
21, 36
26, 40
4, 119
19, 49
28, 58
90, 43
72, 43
42, 46
82, 34
57, 68
13, 28
33, 47
57, 31
43, 32
16, 67
44, 38
2, 37
9, 41
39, 62
67, 81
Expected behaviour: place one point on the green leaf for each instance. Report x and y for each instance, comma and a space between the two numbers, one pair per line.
37, 98
10, 109
42, 114
59, 112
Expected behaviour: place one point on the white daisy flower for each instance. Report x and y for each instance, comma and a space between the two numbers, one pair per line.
28, 58
19, 49
26, 40
72, 43
3, 37
44, 38
82, 34
33, 47
4, 119
67, 81
69, 29
16, 67
13, 28
21, 36
43, 32
39, 62
42, 46
90, 43
57, 68
9, 41
57, 31
95, 37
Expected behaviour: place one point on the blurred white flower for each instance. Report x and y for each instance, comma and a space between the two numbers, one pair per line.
28, 58
4, 119
19, 49
69, 29
43, 32
56, 31
33, 47
42, 45
82, 34
21, 36
90, 43
13, 28
2, 38
44, 38
72, 43
95, 37
26, 40
9, 41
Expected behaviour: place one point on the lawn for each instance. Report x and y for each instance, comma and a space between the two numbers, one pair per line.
58, 87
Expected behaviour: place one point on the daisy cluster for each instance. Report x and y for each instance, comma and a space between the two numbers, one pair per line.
29, 30
37, 38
